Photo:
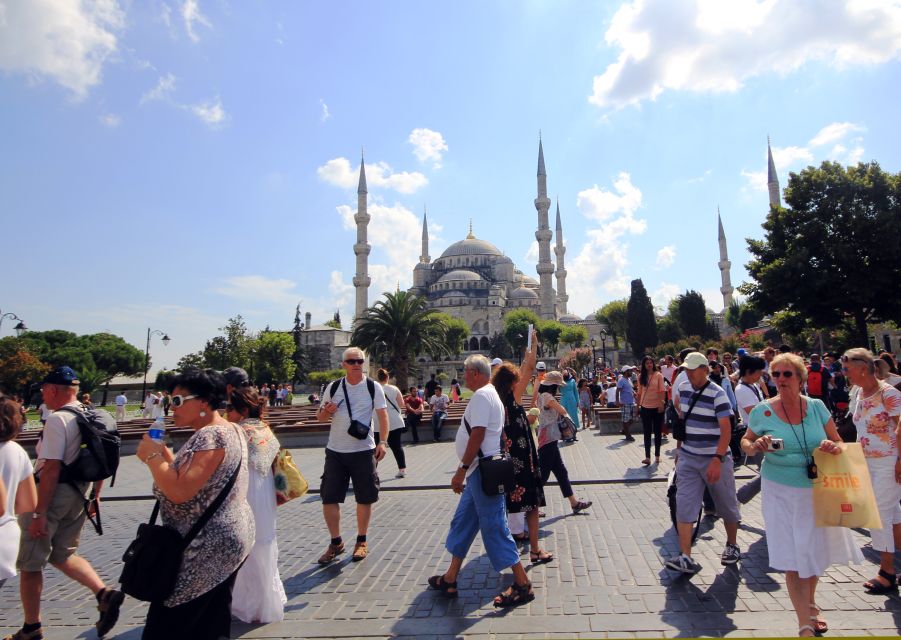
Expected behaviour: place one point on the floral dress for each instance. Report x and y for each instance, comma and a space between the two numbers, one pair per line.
528, 492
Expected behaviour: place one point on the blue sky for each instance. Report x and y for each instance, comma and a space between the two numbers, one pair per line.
174, 163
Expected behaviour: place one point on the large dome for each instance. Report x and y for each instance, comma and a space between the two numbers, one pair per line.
523, 294
471, 247
460, 274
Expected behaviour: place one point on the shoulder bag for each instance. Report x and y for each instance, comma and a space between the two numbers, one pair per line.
357, 429
153, 559
498, 475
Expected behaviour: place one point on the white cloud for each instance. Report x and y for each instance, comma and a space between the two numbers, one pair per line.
68, 41
190, 13
666, 256
756, 179
855, 155
602, 261
111, 120
714, 46
428, 146
834, 132
531, 256
163, 89
784, 157
211, 113
325, 115
338, 172
662, 295
256, 288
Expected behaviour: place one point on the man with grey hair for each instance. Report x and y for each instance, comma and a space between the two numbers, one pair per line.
480, 437
350, 403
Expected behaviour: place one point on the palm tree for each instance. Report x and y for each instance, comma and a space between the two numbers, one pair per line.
397, 328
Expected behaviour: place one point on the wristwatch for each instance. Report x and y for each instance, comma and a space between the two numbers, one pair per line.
463, 466
720, 457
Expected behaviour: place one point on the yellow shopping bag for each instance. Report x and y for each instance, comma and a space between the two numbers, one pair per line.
842, 492
289, 481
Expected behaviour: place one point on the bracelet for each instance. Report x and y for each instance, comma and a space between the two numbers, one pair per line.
35, 515
155, 454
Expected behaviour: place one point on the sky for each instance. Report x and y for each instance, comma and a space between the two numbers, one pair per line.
173, 163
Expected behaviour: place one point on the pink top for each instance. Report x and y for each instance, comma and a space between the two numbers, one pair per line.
654, 395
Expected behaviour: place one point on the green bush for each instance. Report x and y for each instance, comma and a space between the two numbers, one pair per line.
320, 378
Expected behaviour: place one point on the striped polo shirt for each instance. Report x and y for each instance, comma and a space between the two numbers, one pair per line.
702, 429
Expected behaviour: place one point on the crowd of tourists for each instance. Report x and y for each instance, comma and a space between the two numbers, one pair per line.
220, 494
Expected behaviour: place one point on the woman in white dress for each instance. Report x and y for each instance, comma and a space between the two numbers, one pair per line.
18, 494
258, 595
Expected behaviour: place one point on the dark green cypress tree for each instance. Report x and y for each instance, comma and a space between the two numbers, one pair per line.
641, 331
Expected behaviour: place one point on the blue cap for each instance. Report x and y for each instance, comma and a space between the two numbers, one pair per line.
65, 376
742, 352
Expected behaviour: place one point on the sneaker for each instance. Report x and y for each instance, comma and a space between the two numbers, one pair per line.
109, 603
684, 564
401, 474
331, 553
630, 438
731, 554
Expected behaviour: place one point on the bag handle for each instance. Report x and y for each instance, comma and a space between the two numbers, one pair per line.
469, 431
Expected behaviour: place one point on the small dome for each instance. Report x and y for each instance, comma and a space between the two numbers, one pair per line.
460, 274
471, 247
523, 294
591, 317
532, 281
569, 318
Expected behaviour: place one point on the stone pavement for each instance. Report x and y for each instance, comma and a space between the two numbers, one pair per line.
607, 579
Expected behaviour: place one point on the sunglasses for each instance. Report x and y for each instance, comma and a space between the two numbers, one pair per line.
354, 361
177, 401
785, 374
846, 360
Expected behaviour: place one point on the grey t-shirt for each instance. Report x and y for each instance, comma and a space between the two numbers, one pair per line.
363, 407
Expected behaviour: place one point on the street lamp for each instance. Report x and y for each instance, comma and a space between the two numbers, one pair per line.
594, 362
604, 348
19, 328
155, 332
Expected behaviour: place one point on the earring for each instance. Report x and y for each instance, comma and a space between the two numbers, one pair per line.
203, 414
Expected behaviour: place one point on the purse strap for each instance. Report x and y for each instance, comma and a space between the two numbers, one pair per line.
469, 431
694, 400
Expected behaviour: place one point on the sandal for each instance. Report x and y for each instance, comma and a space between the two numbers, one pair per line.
877, 588
581, 506
540, 557
515, 595
646, 461
819, 626
807, 627
440, 584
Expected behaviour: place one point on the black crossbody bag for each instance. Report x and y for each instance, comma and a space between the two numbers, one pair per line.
498, 475
679, 425
153, 559
357, 429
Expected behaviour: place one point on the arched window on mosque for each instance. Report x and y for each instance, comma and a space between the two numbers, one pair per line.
483, 343
473, 344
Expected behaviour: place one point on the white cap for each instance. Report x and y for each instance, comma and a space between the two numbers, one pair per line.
541, 366
496, 362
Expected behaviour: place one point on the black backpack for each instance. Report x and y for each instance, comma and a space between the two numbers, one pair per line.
370, 386
98, 456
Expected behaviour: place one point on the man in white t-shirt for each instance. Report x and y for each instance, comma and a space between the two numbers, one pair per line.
51, 534
121, 402
480, 436
353, 400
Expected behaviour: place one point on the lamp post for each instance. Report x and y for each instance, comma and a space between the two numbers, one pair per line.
594, 362
604, 348
154, 332
20, 328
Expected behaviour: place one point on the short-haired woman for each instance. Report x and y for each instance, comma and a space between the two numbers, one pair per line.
795, 545
258, 594
396, 406
876, 418
186, 484
651, 403
17, 477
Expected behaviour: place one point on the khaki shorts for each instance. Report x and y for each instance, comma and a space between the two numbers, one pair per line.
65, 519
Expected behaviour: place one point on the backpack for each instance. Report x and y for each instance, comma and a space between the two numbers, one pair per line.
815, 383
98, 456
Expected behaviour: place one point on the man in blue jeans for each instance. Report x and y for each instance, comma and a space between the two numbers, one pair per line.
478, 511
439, 403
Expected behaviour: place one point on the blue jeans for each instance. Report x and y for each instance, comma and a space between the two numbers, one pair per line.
438, 419
488, 514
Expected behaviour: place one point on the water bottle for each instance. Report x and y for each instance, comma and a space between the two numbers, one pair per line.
158, 430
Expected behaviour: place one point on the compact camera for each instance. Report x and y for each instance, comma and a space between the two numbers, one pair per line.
776, 444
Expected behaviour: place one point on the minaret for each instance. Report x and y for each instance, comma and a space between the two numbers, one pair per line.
545, 268
559, 251
361, 248
424, 258
772, 180
724, 265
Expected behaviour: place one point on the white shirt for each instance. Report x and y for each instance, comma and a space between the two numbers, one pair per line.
668, 370
121, 400
363, 407
60, 439
484, 409
745, 397
682, 377
45, 412
395, 419
611, 393
14, 468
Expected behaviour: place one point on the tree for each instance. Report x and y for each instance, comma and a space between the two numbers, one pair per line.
614, 314
320, 378
396, 329
498, 347
577, 359
163, 378
274, 357
691, 314
668, 329
191, 361
232, 349
19, 369
334, 324
742, 316
832, 252
455, 332
516, 328
549, 331
642, 324
574, 336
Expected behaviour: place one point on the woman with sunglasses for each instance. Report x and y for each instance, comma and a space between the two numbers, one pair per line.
258, 595
651, 402
876, 418
186, 484
798, 425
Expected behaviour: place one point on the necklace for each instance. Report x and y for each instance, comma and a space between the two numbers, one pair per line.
811, 465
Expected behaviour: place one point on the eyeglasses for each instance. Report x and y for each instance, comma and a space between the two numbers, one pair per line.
354, 361
846, 360
177, 401
785, 374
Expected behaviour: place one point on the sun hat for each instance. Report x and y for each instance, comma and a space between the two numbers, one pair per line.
553, 377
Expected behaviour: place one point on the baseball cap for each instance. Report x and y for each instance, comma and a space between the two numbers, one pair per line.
541, 366
496, 362
694, 360
742, 352
64, 376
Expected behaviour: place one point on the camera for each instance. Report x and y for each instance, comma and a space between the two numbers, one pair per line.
776, 444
